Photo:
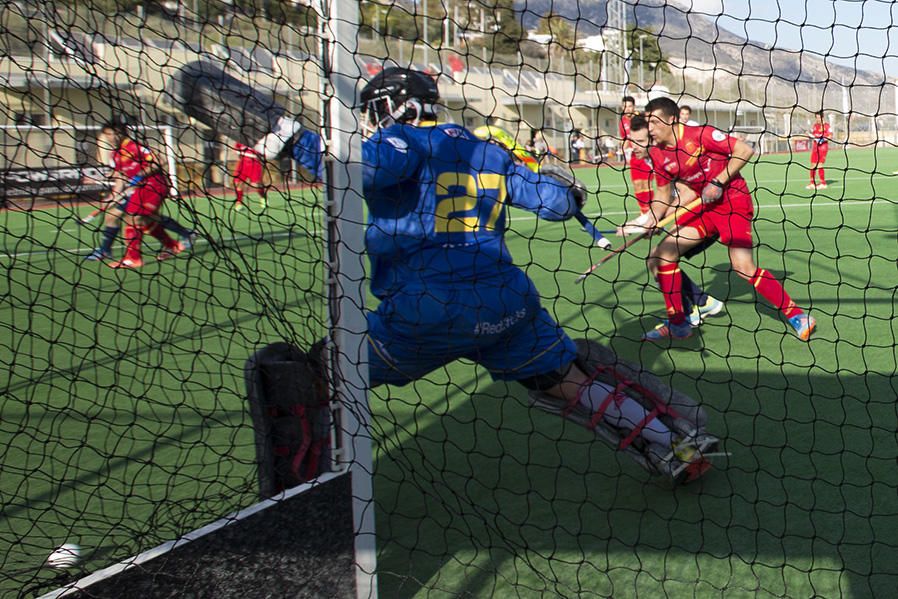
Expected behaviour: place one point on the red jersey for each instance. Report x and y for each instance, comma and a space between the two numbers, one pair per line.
131, 158
245, 150
624, 129
700, 154
821, 133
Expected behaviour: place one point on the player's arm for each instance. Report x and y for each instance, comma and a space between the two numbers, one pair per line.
740, 155
551, 196
663, 203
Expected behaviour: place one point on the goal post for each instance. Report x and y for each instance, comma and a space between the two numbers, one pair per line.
346, 279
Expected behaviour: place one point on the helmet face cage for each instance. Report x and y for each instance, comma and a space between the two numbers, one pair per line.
397, 95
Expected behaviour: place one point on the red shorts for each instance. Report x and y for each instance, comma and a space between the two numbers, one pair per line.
730, 217
249, 170
818, 153
148, 196
641, 174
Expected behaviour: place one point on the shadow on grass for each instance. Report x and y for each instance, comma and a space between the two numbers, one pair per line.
480, 496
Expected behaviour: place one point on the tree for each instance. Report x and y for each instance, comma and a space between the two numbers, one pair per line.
646, 56
508, 30
563, 36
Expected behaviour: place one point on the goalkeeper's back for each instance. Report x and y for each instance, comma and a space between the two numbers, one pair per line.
437, 199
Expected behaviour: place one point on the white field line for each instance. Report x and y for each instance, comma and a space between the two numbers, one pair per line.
86, 249
517, 217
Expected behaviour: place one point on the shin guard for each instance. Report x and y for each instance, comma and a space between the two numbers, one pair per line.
232, 108
677, 411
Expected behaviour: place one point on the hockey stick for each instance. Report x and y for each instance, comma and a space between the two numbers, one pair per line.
599, 239
632, 241
109, 202
503, 138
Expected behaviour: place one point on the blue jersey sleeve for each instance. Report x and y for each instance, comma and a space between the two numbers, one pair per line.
387, 159
546, 197
308, 153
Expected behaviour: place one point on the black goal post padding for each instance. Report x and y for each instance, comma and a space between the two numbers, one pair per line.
289, 405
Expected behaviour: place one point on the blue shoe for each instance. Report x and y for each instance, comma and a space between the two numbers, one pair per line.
667, 330
187, 242
711, 307
804, 325
97, 255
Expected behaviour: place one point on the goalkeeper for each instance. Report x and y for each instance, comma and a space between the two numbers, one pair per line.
438, 199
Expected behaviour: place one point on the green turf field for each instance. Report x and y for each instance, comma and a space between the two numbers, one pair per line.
123, 421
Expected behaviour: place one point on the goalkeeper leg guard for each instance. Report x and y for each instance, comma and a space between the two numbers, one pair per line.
232, 108
685, 459
290, 410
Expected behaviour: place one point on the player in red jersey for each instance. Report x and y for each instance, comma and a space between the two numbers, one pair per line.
697, 303
820, 136
708, 161
139, 187
248, 174
640, 171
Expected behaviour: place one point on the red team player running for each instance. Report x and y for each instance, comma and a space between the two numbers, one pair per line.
248, 174
820, 136
708, 161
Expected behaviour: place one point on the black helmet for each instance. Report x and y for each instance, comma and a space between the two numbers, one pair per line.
397, 95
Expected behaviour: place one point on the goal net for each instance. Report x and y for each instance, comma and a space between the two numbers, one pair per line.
126, 430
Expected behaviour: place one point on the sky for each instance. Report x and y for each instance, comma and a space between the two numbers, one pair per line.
865, 31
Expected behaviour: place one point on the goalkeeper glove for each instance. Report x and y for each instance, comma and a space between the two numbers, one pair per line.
563, 176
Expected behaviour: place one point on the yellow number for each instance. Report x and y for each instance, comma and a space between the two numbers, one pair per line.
448, 219
459, 213
494, 181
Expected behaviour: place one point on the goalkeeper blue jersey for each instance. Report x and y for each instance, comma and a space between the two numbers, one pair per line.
438, 200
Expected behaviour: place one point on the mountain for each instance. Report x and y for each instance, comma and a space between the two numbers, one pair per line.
773, 75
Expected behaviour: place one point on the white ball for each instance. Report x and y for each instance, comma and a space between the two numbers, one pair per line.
65, 556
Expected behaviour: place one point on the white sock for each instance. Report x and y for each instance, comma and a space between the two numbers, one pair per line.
626, 415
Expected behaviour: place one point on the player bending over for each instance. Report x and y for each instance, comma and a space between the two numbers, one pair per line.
438, 199
249, 174
139, 188
697, 303
708, 161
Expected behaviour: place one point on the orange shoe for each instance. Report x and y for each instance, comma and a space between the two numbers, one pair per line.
171, 252
126, 263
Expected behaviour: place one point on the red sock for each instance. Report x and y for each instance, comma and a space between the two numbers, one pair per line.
671, 283
157, 231
644, 198
239, 195
773, 292
133, 238
822, 176
813, 176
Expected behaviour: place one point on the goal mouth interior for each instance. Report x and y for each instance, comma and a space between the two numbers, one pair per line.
125, 427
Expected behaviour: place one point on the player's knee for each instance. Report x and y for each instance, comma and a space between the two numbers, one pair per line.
652, 263
744, 268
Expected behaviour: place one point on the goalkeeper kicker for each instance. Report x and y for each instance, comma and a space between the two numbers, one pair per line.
438, 199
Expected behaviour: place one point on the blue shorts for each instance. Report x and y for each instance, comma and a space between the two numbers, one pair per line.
501, 327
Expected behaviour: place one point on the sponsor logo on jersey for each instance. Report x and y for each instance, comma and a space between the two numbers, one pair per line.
456, 132
399, 144
494, 328
718, 135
